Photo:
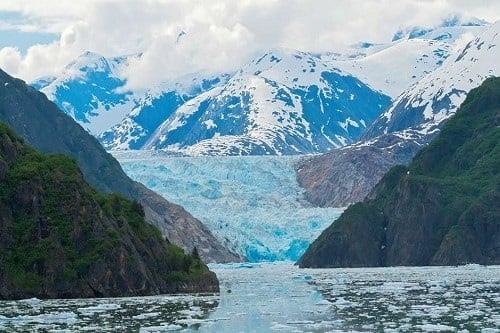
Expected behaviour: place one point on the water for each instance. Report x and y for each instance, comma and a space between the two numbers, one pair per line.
278, 297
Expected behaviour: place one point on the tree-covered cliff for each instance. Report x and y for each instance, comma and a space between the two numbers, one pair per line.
443, 209
60, 238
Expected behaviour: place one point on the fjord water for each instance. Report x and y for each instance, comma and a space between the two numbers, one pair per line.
279, 297
253, 204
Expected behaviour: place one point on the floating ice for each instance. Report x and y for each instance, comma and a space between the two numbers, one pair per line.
277, 296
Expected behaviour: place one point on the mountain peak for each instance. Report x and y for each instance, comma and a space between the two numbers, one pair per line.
89, 62
454, 21
425, 105
283, 102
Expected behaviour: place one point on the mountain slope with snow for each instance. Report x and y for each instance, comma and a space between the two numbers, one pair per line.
414, 52
285, 102
88, 91
437, 96
400, 65
152, 108
347, 175
451, 27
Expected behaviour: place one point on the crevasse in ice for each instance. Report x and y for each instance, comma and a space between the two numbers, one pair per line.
253, 204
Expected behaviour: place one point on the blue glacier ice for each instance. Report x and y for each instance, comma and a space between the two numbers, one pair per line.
253, 204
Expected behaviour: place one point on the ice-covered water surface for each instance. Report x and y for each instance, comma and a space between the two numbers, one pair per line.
267, 297
130, 314
253, 204
412, 299
279, 297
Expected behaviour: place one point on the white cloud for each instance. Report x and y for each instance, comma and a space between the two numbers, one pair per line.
10, 59
220, 34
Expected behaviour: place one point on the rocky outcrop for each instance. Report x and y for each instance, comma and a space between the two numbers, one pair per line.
62, 239
443, 209
41, 124
346, 175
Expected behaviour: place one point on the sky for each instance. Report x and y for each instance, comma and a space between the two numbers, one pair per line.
177, 37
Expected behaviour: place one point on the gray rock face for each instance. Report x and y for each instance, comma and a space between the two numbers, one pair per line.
347, 175
41, 124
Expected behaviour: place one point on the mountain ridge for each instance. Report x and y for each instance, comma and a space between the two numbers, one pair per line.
399, 132
263, 93
429, 102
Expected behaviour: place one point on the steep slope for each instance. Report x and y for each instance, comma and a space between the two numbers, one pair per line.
354, 174
399, 65
60, 238
153, 107
285, 102
48, 129
436, 97
88, 91
91, 89
444, 209
346, 175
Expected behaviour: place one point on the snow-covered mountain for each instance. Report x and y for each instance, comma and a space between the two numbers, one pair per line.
91, 90
393, 67
88, 90
284, 102
441, 31
425, 105
154, 106
398, 66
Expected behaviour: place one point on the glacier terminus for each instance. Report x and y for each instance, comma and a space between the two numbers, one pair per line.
253, 204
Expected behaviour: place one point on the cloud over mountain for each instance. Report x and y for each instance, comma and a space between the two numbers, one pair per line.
214, 35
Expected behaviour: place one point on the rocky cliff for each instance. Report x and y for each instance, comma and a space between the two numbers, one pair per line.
443, 209
60, 238
41, 124
347, 175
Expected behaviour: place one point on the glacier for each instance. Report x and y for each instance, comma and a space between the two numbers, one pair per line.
253, 204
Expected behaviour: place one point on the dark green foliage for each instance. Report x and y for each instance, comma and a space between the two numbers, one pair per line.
195, 253
443, 209
62, 238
